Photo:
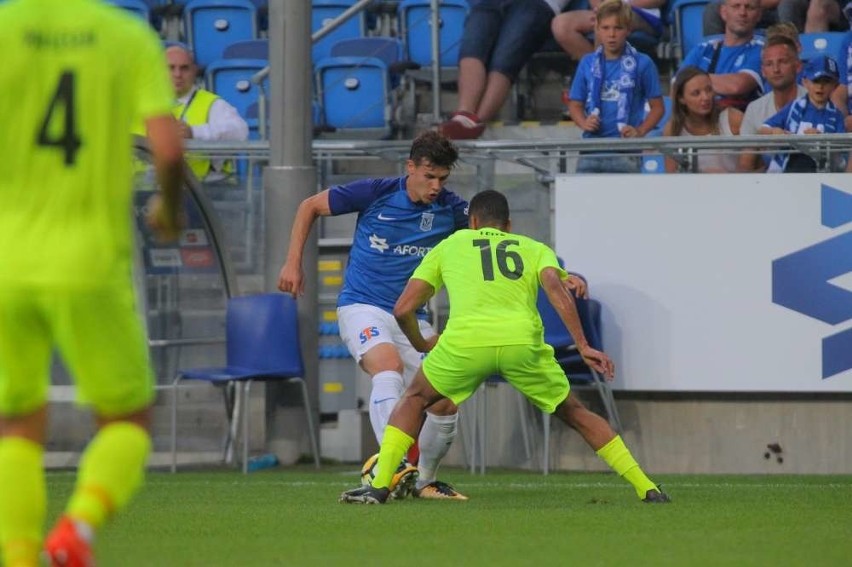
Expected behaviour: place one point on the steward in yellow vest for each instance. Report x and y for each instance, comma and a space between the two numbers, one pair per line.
194, 112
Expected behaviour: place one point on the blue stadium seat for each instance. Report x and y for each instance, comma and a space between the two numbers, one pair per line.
262, 14
654, 163
686, 17
212, 25
832, 44
322, 12
415, 17
248, 49
387, 49
354, 94
231, 79
667, 114
138, 7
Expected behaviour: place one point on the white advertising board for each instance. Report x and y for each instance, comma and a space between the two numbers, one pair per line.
716, 282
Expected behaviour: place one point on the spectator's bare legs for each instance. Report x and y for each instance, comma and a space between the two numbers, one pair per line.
605, 442
496, 91
472, 81
570, 29
821, 14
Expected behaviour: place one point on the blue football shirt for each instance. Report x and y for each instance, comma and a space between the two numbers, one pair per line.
392, 234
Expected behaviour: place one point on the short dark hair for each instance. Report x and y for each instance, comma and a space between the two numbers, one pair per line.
490, 207
434, 147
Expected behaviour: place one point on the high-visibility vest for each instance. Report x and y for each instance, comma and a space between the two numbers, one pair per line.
196, 114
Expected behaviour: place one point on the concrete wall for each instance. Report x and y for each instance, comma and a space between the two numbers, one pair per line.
669, 434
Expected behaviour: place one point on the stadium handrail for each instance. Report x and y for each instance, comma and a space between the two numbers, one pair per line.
527, 150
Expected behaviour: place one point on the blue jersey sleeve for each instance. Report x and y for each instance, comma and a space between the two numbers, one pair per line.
779, 119
356, 196
693, 58
649, 77
580, 84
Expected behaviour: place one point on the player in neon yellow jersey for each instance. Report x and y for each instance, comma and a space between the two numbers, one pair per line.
75, 75
492, 278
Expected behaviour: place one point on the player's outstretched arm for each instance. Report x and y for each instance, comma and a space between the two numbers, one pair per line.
166, 211
416, 293
567, 310
291, 278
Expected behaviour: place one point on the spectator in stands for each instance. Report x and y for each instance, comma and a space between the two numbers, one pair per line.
781, 66
810, 16
571, 29
733, 62
770, 14
813, 113
610, 89
202, 114
499, 38
696, 112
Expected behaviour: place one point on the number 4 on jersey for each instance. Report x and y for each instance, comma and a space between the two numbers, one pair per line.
69, 139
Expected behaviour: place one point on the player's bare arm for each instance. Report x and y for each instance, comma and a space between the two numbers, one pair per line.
416, 293
291, 278
567, 310
165, 210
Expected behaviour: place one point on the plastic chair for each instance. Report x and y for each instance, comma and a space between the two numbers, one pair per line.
138, 7
687, 17
831, 44
322, 12
212, 25
388, 49
354, 93
231, 80
579, 375
415, 17
248, 49
262, 342
655, 163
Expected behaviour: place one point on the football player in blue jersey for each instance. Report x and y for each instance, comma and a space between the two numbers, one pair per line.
399, 220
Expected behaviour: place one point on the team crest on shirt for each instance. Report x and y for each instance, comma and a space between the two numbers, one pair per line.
426, 221
628, 63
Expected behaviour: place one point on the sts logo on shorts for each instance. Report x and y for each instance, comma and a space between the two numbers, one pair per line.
368, 333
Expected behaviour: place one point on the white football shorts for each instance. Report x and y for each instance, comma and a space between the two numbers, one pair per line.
364, 326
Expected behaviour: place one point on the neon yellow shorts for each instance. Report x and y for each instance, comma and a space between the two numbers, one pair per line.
456, 372
99, 336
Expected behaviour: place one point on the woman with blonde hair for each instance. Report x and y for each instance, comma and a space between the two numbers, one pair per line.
696, 113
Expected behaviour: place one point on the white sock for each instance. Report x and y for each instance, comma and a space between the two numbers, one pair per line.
465, 121
387, 388
435, 439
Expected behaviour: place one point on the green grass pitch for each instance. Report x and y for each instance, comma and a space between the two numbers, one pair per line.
291, 516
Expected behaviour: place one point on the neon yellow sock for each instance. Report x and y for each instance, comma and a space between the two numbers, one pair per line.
23, 500
395, 443
111, 470
618, 457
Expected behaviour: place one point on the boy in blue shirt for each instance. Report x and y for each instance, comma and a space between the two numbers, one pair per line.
609, 91
813, 113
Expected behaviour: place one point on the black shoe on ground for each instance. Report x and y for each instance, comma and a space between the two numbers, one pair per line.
365, 495
656, 496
